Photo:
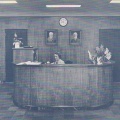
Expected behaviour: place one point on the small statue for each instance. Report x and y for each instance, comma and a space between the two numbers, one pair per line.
17, 43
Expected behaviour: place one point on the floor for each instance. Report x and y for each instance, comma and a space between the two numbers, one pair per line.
8, 111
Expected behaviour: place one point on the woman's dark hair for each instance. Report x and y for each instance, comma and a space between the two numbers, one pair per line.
59, 55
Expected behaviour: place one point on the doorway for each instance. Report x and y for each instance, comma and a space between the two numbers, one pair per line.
9, 39
110, 38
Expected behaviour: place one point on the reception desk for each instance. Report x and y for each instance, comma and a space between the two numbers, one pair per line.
69, 85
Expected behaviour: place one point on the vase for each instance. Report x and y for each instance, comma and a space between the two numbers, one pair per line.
99, 61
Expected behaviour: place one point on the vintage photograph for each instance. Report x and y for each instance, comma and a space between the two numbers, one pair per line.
75, 37
51, 37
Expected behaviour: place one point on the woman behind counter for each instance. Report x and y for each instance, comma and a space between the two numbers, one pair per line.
58, 59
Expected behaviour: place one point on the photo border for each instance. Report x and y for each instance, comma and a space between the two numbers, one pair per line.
70, 34
55, 31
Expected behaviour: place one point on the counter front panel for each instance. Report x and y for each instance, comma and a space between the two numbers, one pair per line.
63, 85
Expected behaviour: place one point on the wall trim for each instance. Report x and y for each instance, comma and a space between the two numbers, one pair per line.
12, 13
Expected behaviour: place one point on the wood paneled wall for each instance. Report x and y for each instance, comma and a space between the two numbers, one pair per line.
37, 25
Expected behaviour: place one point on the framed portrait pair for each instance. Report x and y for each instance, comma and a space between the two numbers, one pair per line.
51, 37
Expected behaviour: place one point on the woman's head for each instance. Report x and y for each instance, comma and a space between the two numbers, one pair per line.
57, 56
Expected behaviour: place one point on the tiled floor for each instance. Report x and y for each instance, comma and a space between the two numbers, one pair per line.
8, 111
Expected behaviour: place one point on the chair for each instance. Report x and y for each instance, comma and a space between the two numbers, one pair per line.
68, 62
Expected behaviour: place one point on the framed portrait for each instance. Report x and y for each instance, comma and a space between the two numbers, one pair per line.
75, 37
51, 37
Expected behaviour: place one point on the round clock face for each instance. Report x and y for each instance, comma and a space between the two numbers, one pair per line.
63, 21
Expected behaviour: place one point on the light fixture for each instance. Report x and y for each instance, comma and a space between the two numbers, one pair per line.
8, 1
59, 6
115, 1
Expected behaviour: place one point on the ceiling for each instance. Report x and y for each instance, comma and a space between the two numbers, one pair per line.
38, 8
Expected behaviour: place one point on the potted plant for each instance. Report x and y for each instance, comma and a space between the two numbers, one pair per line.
101, 56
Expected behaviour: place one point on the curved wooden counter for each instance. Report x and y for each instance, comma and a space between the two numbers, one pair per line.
75, 85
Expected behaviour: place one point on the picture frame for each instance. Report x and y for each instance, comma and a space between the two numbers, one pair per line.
75, 37
51, 37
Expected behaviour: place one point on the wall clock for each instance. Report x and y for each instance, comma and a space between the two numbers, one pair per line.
63, 22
